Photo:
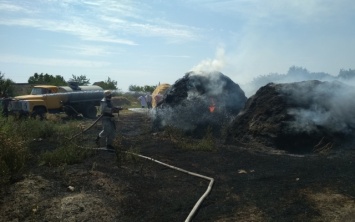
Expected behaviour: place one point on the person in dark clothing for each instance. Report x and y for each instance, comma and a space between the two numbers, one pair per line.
108, 121
148, 98
5, 105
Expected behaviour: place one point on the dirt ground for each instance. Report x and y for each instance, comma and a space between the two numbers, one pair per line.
250, 184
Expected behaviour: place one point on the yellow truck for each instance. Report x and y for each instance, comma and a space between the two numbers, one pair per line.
72, 99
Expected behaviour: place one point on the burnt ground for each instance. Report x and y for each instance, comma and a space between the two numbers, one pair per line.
251, 184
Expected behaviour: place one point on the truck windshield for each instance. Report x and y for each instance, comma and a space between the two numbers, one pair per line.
39, 91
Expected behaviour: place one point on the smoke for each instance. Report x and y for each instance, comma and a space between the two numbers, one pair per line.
186, 104
294, 74
211, 82
181, 116
322, 106
212, 65
211, 70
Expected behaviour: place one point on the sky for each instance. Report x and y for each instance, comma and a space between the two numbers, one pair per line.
139, 42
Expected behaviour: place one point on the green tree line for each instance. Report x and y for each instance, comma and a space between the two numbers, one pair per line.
58, 80
146, 88
6, 86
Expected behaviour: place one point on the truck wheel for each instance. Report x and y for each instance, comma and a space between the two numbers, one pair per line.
38, 113
90, 112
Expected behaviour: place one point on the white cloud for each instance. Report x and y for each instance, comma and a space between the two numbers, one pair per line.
103, 20
298, 11
174, 32
52, 62
11, 8
86, 50
76, 27
122, 8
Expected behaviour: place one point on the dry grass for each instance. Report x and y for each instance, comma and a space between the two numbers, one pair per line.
177, 137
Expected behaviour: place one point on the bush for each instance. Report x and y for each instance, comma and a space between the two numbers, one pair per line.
13, 156
21, 137
27, 129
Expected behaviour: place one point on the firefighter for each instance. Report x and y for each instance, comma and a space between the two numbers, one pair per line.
108, 122
143, 101
148, 98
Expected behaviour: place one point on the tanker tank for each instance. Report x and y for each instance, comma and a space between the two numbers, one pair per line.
72, 88
78, 96
85, 96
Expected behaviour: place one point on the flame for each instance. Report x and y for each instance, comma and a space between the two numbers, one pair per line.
212, 106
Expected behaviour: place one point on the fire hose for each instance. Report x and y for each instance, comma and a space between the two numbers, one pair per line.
93, 124
198, 203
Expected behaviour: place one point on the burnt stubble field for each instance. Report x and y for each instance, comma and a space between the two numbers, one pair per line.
251, 183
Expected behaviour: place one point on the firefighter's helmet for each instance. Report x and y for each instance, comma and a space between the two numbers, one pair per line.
107, 93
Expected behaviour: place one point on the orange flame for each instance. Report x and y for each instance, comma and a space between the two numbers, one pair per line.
212, 106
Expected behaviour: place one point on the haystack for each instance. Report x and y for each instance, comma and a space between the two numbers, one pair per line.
158, 93
197, 101
301, 117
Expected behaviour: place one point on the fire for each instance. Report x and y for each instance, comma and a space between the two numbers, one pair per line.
212, 106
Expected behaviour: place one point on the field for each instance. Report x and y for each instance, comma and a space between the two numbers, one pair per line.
250, 183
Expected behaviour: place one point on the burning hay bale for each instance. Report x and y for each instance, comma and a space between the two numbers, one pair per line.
300, 117
197, 101
158, 93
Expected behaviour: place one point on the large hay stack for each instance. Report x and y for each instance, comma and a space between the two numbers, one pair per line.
158, 93
297, 117
197, 101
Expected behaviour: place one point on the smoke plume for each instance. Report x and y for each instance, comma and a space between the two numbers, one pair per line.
187, 103
212, 65
326, 105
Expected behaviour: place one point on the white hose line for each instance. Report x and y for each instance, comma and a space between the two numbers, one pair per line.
198, 203
86, 128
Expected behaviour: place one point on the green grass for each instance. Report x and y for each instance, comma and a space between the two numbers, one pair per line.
20, 139
27, 141
13, 156
66, 154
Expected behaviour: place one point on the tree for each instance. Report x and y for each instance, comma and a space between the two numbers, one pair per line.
346, 74
297, 71
135, 88
108, 84
146, 88
6, 85
150, 89
57, 80
81, 80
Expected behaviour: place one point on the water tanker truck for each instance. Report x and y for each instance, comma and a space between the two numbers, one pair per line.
72, 99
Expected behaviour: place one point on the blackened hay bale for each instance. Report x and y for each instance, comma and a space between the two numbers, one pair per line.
189, 102
297, 117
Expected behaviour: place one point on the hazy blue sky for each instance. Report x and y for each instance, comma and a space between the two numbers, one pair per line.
141, 42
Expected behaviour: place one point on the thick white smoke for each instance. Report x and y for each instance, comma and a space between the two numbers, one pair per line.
212, 65
328, 105
210, 68
187, 103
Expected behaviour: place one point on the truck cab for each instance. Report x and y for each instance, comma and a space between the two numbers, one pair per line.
44, 89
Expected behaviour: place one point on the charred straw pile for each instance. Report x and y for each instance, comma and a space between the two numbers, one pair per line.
198, 101
299, 117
